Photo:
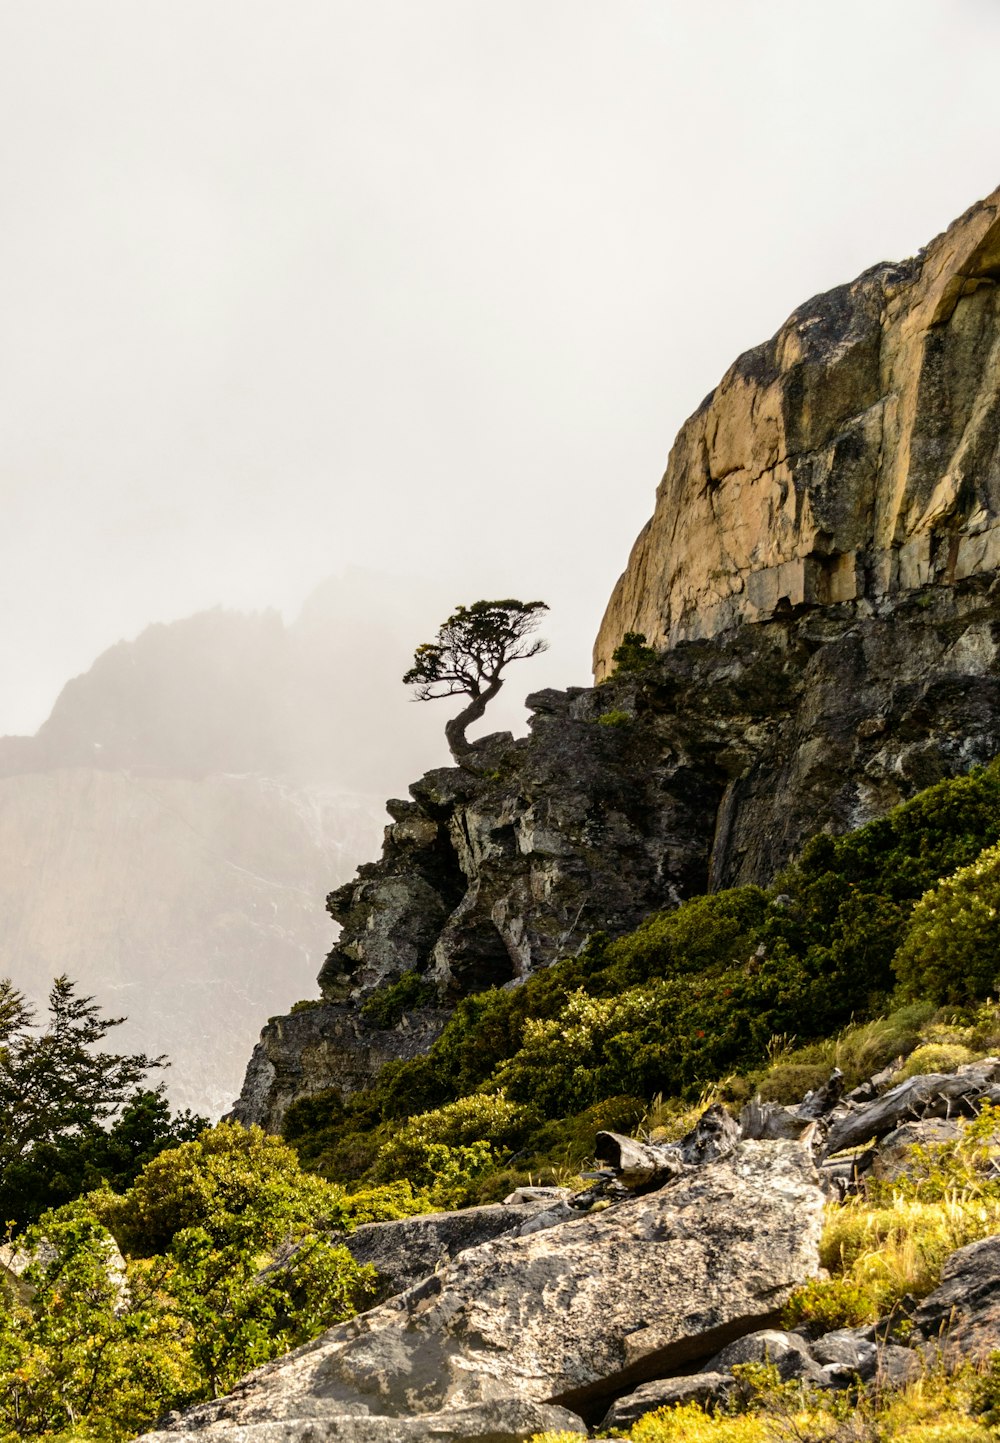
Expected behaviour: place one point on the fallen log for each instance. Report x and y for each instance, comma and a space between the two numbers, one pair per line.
932, 1094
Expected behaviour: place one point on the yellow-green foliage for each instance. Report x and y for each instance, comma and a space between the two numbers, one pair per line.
935, 1057
562, 1435
688, 1423
447, 1149
896, 1240
937, 1408
950, 951
931, 1039
614, 718
233, 1257
788, 1082
238, 1182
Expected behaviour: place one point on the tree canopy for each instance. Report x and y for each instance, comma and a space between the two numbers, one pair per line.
53, 1081
468, 656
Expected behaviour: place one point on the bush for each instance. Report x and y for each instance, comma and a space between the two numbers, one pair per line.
446, 1150
386, 1007
92, 1352
237, 1184
951, 952
788, 1082
705, 932
935, 1057
896, 1241
632, 654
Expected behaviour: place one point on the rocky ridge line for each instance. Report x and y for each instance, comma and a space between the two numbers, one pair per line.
709, 768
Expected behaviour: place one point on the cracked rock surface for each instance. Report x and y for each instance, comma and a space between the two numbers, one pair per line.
568, 1317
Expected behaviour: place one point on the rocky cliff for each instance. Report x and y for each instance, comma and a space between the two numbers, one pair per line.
854, 455
859, 448
709, 768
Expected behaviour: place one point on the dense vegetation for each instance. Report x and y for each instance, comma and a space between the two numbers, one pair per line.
71, 1113
520, 1079
229, 1255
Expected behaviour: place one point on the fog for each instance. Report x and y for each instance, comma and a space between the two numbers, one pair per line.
424, 290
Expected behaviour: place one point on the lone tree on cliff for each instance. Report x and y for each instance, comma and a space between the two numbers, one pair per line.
471, 650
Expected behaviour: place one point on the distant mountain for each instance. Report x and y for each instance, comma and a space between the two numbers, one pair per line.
224, 691
169, 835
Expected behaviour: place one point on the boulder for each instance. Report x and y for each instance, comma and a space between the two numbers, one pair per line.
505, 1420
572, 1315
963, 1315
893, 1157
404, 1251
854, 1349
538, 1194
785, 1351
706, 1389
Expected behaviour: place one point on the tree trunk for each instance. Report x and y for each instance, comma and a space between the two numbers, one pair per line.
456, 728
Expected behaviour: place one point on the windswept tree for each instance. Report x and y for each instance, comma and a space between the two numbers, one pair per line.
468, 656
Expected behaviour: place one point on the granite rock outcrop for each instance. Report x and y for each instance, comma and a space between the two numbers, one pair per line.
855, 455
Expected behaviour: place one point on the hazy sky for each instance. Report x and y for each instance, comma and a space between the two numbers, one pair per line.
426, 288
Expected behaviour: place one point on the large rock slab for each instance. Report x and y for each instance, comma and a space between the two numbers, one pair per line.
508, 1420
572, 1315
405, 1251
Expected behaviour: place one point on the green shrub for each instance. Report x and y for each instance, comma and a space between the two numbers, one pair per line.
238, 1184
935, 1057
632, 654
788, 1082
705, 932
385, 1008
93, 1352
447, 1149
307, 1004
614, 718
951, 952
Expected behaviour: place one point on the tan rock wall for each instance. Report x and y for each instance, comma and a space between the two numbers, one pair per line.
855, 454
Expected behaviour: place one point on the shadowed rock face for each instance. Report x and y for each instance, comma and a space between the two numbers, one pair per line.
855, 454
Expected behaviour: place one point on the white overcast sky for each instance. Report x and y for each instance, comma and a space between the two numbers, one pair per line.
420, 286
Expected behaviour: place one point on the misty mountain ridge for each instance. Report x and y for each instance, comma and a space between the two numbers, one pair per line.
318, 701
168, 836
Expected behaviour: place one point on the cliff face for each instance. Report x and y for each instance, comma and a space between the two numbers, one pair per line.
854, 455
708, 769
820, 578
